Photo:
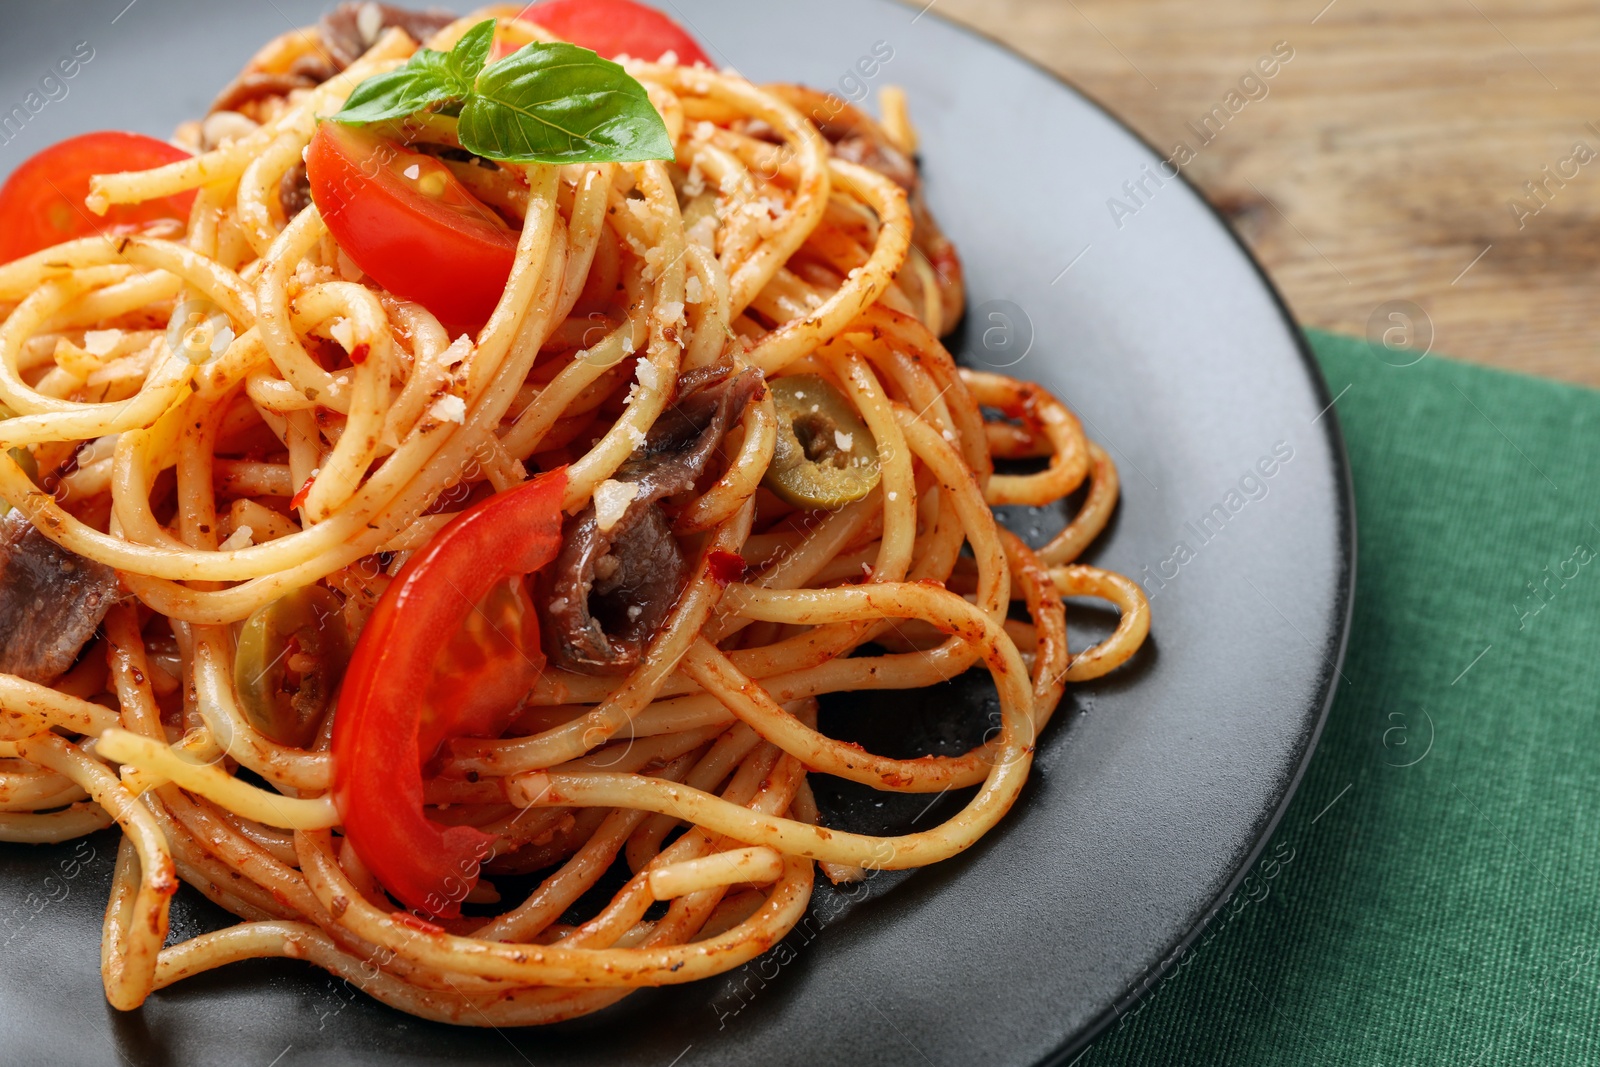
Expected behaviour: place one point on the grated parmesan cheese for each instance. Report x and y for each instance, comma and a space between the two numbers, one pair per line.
344, 333
843, 440
459, 350
649, 375
704, 232
642, 212
695, 183
654, 258
693, 291
449, 408
611, 500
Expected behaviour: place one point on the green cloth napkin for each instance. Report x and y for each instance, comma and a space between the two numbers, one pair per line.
1433, 894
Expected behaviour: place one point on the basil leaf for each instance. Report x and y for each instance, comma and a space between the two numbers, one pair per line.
426, 80
558, 103
471, 53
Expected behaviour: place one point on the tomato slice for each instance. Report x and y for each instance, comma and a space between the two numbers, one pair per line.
617, 28
449, 651
42, 202
410, 223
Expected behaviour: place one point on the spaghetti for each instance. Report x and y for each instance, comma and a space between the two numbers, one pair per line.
710, 414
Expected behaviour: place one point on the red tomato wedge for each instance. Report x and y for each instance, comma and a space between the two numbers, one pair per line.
410, 223
41, 203
450, 651
617, 28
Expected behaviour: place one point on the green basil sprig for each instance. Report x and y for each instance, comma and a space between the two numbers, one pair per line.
544, 103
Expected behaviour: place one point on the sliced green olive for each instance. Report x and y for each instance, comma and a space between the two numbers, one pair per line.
23, 456
25, 460
290, 657
825, 456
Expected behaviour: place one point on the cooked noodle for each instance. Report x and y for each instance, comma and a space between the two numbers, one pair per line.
809, 268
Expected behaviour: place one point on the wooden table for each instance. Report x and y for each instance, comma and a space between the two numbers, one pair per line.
1384, 162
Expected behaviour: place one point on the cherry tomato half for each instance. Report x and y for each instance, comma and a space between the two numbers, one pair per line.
617, 28
41, 203
410, 223
450, 651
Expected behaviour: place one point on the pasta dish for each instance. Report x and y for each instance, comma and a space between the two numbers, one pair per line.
445, 479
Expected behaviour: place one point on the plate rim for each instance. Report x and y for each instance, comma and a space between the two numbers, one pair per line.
1077, 1043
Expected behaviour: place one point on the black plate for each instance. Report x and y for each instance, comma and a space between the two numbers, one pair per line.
1152, 791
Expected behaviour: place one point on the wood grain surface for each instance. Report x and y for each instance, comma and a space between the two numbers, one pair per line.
1385, 170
